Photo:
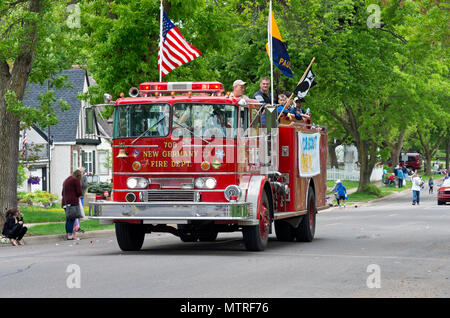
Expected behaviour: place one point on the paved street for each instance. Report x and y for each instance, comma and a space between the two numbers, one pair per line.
408, 246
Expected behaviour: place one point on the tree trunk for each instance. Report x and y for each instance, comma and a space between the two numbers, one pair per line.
429, 149
447, 154
367, 158
428, 158
332, 155
396, 148
16, 80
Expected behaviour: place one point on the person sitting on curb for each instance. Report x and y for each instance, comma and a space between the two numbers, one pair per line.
392, 179
14, 229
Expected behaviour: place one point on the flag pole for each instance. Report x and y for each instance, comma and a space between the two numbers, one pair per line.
270, 51
160, 40
301, 80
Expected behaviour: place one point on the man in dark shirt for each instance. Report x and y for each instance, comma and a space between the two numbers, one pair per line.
263, 96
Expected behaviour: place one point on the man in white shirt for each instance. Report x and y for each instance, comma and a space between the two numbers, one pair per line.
416, 187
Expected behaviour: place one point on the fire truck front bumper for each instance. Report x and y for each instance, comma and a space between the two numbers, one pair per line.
172, 212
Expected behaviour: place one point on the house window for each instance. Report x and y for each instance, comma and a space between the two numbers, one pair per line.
89, 121
103, 162
75, 160
88, 161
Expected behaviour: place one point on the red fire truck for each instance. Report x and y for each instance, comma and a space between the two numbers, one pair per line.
194, 164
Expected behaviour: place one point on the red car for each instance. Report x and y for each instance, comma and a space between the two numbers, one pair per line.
443, 194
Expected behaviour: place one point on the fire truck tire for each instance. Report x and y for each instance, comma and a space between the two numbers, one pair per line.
284, 231
130, 237
256, 237
306, 229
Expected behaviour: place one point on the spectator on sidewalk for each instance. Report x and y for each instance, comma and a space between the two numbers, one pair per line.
14, 228
71, 194
84, 185
391, 179
430, 185
400, 177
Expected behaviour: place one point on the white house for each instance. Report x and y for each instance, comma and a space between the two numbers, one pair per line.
79, 138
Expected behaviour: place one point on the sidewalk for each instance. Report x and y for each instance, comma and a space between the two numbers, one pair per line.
39, 239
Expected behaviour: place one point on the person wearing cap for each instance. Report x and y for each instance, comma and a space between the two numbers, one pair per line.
239, 89
340, 192
298, 105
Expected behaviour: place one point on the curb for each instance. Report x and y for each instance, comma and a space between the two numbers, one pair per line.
39, 239
361, 204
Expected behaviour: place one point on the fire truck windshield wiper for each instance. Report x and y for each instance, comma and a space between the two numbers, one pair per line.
192, 133
148, 129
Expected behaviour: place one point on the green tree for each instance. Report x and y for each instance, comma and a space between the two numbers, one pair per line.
34, 43
120, 40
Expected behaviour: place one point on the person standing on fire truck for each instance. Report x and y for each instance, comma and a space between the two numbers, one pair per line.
239, 89
263, 96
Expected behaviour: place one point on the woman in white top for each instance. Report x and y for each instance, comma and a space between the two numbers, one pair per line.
416, 187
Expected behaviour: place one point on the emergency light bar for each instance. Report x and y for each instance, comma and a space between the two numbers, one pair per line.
180, 87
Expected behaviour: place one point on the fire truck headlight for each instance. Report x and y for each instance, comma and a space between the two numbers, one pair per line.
232, 191
205, 183
200, 183
210, 183
138, 183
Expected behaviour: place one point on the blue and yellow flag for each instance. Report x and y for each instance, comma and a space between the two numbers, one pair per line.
279, 52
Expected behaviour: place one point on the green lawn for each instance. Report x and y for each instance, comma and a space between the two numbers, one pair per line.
347, 184
59, 228
41, 215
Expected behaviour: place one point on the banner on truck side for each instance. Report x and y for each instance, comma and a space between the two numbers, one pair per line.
308, 154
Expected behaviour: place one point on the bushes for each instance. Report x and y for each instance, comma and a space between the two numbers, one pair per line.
372, 189
40, 198
99, 188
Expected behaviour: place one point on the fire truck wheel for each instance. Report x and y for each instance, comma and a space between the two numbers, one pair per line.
257, 236
306, 229
130, 237
284, 231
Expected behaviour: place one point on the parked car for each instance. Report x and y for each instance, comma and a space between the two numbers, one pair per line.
411, 160
443, 194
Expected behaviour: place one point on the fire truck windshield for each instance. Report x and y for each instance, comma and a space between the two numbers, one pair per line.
204, 120
146, 120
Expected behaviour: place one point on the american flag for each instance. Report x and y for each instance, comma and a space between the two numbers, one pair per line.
24, 143
175, 50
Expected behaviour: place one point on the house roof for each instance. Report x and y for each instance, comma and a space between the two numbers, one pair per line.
66, 129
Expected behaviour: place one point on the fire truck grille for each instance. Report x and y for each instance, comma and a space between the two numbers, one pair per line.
168, 195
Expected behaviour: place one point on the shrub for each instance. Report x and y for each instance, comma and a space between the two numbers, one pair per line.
372, 189
100, 188
40, 198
